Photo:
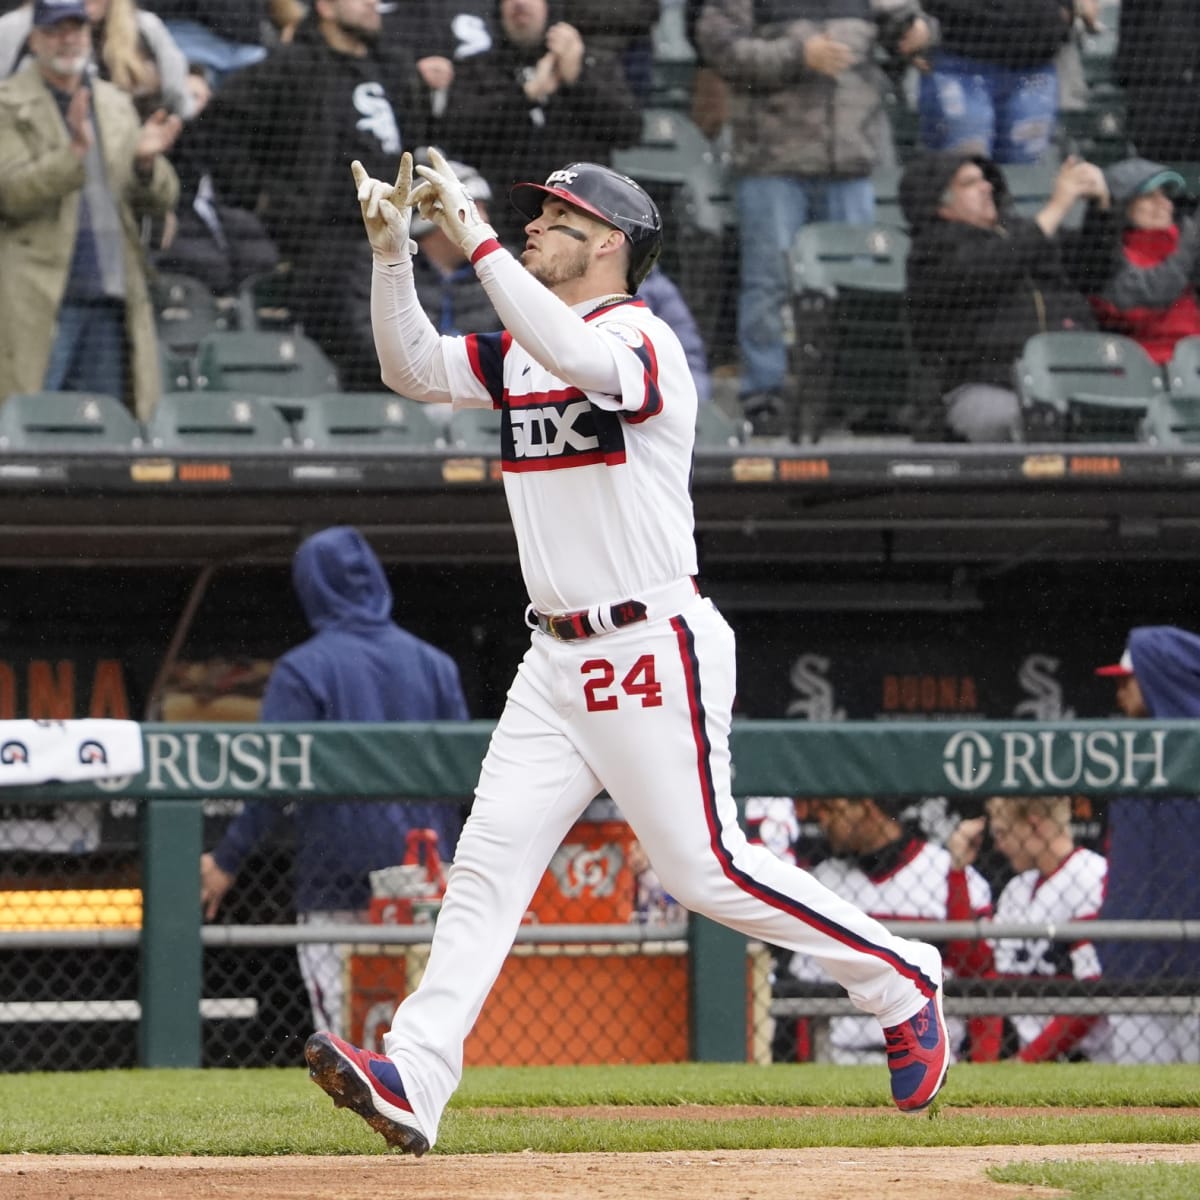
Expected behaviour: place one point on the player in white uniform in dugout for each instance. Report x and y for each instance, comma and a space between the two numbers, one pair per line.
628, 682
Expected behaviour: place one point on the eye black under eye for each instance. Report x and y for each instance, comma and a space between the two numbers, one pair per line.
568, 230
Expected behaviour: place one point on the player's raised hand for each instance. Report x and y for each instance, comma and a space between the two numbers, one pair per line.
442, 199
387, 209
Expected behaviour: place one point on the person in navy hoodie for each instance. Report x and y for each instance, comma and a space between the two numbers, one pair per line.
359, 665
1151, 853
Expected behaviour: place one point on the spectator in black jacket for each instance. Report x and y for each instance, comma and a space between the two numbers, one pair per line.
538, 98
280, 137
982, 280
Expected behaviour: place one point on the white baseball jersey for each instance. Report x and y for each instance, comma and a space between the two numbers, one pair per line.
920, 883
1072, 893
597, 485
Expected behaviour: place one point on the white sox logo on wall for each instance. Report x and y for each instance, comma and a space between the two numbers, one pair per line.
1055, 761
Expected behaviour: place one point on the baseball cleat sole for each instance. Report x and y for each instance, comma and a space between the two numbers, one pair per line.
337, 1077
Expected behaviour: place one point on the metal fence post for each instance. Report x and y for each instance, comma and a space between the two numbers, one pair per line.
171, 957
718, 992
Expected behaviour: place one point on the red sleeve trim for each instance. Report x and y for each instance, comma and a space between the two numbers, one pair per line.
484, 249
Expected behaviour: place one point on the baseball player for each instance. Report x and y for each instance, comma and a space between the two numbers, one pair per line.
1056, 881
628, 682
887, 869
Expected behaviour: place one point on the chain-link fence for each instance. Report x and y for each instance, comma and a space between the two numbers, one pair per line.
1045, 957
835, 279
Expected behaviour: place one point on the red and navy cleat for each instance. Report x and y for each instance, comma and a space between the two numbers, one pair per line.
918, 1056
368, 1084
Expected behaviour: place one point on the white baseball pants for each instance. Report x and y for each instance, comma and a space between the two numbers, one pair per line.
645, 713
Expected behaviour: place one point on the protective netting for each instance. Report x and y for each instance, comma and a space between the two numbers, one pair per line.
870, 207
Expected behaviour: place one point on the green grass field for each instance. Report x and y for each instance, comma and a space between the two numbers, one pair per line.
278, 1112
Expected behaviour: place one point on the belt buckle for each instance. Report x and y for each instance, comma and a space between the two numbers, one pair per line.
550, 625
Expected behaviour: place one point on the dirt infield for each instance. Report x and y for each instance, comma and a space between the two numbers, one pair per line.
837, 1173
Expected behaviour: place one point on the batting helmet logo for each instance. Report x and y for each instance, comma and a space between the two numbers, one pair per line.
92, 752
14, 752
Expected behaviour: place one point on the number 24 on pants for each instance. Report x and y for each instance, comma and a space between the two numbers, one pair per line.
640, 682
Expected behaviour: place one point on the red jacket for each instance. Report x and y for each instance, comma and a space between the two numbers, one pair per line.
1157, 329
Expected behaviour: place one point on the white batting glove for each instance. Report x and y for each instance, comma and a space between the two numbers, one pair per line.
442, 199
387, 210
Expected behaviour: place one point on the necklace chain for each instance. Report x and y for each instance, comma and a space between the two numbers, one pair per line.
613, 299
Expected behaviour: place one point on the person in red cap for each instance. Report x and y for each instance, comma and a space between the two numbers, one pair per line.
1129, 692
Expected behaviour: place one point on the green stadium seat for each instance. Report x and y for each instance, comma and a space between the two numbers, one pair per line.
264, 363
185, 311
1084, 386
673, 58
476, 430
717, 430
220, 422
264, 302
671, 145
1174, 418
365, 420
886, 184
1030, 185
828, 257
851, 354
67, 422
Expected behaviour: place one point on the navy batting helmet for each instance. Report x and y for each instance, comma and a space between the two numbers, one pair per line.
608, 196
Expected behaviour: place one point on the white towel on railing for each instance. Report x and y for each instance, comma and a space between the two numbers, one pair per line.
46, 751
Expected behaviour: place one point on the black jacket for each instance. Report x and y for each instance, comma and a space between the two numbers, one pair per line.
975, 295
490, 124
271, 137
1011, 33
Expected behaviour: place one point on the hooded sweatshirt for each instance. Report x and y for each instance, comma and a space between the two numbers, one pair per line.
1148, 293
358, 666
1153, 839
976, 295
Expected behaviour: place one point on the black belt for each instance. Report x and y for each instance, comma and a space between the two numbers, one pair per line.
574, 626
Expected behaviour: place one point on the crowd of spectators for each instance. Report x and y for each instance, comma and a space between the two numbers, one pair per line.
269, 100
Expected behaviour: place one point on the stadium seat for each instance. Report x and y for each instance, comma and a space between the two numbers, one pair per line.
717, 430
476, 430
851, 355
673, 58
885, 181
1083, 386
365, 420
828, 256
264, 302
1174, 418
1030, 185
264, 363
1097, 132
221, 422
185, 311
67, 422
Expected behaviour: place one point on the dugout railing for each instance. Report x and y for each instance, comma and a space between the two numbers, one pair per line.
187, 765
